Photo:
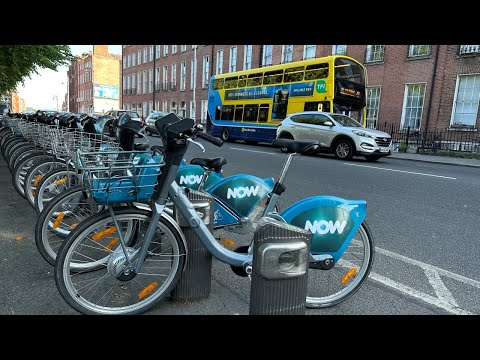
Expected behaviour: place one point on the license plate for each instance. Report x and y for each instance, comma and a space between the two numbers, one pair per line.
382, 149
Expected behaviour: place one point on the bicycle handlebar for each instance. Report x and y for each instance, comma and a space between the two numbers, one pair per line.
211, 139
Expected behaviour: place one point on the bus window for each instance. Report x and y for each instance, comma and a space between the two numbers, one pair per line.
227, 112
263, 114
238, 113
311, 106
231, 82
218, 111
316, 71
251, 113
294, 74
217, 84
255, 79
273, 77
242, 80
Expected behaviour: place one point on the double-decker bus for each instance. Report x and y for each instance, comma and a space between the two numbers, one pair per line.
249, 105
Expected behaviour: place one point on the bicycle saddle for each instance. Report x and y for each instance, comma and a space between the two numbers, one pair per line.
301, 147
140, 147
214, 164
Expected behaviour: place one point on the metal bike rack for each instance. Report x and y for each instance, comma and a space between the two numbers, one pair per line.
279, 269
196, 279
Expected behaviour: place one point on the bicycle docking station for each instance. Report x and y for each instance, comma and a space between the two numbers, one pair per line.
280, 269
196, 278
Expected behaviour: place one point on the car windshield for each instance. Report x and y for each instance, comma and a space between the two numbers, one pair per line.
156, 116
132, 114
345, 120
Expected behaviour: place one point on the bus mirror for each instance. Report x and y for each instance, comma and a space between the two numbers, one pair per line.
328, 123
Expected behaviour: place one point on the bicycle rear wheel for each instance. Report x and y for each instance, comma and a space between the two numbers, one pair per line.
330, 287
55, 182
106, 289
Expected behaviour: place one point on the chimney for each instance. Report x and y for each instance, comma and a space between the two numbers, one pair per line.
100, 49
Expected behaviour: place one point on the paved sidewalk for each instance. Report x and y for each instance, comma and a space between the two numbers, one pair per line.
436, 159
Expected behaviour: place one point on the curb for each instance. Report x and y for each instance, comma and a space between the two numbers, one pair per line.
437, 162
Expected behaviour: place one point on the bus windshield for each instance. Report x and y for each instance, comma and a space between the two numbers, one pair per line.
349, 70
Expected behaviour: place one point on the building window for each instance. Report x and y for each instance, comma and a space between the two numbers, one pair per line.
165, 77
124, 62
128, 85
374, 53
203, 114
150, 107
157, 80
413, 105
267, 55
139, 57
145, 55
194, 46
309, 51
174, 49
134, 84
192, 109
247, 57
150, 57
139, 82
465, 104
150, 81
144, 81
373, 105
469, 49
287, 53
129, 61
205, 72
193, 74
157, 106
183, 74
157, 51
419, 50
134, 60
339, 50
219, 65
165, 50
183, 48
233, 59
144, 109
164, 106
173, 76
173, 107
124, 83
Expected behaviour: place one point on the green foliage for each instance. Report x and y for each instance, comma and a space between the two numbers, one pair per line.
403, 147
19, 61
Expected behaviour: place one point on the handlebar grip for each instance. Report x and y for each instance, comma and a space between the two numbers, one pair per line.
211, 139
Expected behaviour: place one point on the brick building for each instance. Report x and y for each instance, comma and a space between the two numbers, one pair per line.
94, 82
421, 86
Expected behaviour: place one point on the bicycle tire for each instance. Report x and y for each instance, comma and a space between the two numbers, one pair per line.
21, 169
45, 186
134, 296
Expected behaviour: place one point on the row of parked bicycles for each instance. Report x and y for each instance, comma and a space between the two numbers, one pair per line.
110, 211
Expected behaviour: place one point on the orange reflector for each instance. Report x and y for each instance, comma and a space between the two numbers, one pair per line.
229, 242
61, 181
73, 226
103, 233
147, 290
18, 238
37, 180
111, 244
33, 192
58, 220
349, 275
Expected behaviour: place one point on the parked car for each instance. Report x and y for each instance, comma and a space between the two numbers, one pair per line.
115, 114
337, 133
150, 122
122, 119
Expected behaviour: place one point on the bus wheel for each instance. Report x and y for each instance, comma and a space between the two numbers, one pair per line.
225, 134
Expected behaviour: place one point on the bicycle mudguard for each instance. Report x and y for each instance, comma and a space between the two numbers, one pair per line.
241, 193
190, 176
333, 221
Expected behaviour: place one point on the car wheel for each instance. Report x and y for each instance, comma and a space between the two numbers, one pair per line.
343, 149
285, 136
147, 132
372, 157
225, 135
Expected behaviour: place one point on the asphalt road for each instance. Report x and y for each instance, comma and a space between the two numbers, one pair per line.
424, 219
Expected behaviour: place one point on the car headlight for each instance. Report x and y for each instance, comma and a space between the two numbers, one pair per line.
363, 133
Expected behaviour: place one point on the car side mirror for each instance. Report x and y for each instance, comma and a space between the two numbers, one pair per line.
328, 123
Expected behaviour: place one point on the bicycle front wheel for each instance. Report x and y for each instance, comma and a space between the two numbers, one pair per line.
330, 287
100, 288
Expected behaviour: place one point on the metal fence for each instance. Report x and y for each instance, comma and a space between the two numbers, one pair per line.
467, 140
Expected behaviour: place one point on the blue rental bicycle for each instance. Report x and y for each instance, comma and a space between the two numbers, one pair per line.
125, 260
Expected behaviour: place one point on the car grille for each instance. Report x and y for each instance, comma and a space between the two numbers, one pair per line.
383, 142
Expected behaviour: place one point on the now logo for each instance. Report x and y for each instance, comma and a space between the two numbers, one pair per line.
190, 179
241, 192
322, 227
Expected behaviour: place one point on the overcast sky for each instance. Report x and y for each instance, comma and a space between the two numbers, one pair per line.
39, 91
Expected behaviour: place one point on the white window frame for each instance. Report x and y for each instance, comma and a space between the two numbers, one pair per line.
150, 81
193, 73
454, 106
165, 77
165, 50
158, 50
377, 105
204, 111
219, 62
183, 48
373, 50
124, 62
144, 84
405, 96
205, 71
174, 49
144, 55
157, 79
183, 75
128, 83
139, 57
164, 105
134, 82
247, 57
173, 76
150, 57
157, 106
150, 107
232, 62
129, 61
414, 51
139, 82
287, 54
307, 49
267, 61
339, 49
134, 60
192, 109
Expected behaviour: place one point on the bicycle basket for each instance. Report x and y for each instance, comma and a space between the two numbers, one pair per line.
119, 176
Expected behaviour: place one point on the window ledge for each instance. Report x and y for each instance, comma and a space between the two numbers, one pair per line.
374, 62
409, 58
462, 128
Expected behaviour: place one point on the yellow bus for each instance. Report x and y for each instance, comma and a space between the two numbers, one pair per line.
249, 105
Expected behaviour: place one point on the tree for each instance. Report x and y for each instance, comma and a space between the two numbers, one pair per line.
19, 61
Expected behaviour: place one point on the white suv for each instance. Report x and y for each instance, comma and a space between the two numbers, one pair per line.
337, 133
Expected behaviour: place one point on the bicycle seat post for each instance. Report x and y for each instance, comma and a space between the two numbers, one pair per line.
204, 178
